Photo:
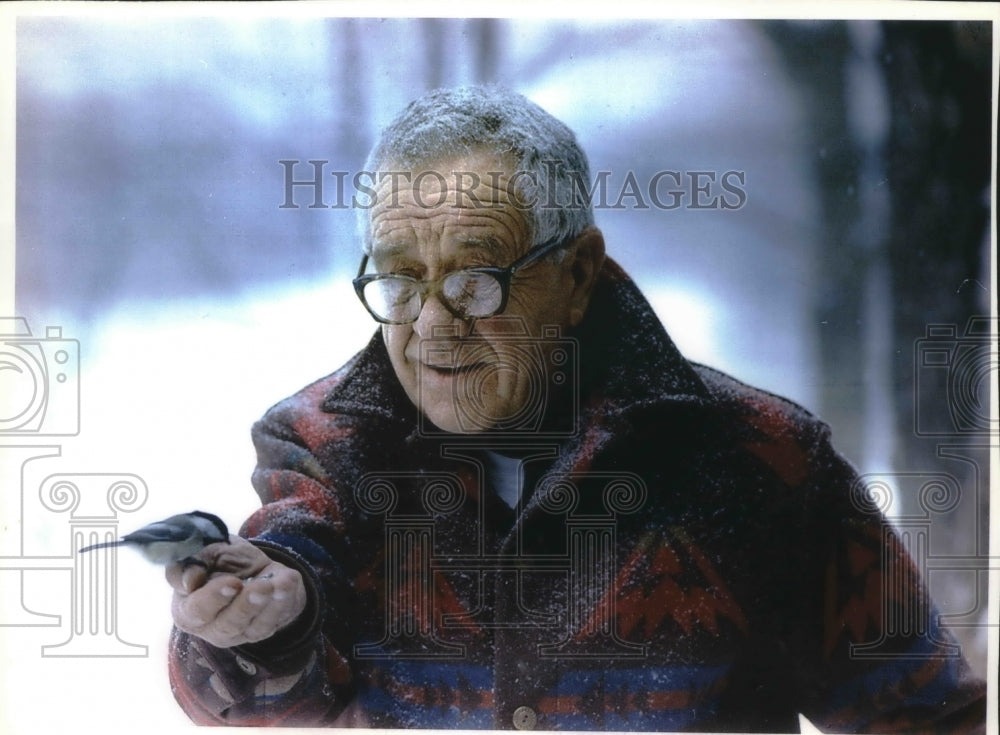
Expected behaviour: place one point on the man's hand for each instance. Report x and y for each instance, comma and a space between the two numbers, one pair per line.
242, 597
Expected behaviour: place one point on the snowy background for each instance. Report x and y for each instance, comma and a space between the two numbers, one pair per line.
149, 229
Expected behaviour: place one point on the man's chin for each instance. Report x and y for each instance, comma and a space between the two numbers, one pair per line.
471, 422
452, 425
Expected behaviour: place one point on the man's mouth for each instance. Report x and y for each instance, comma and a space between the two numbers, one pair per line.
449, 369
450, 361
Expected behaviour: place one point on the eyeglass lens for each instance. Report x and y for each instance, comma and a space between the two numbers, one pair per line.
465, 293
394, 299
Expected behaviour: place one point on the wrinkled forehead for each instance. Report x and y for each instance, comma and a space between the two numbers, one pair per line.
463, 199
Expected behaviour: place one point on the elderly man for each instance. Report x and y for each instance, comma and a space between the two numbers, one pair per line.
520, 507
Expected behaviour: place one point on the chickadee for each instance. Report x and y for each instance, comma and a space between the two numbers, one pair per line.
177, 538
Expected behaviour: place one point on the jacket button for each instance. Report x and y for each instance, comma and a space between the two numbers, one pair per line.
246, 666
525, 718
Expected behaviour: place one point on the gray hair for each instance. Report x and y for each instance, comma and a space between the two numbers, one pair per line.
494, 120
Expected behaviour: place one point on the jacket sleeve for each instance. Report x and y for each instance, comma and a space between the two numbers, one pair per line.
300, 676
878, 660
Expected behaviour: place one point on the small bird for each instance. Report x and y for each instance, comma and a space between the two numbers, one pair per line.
177, 538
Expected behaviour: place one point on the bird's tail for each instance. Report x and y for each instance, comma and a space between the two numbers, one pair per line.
105, 545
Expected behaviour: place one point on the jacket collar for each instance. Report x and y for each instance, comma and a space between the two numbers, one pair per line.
627, 361
627, 356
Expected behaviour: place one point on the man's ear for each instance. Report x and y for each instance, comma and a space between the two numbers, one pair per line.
584, 262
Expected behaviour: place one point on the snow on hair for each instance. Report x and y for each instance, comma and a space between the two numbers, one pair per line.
497, 121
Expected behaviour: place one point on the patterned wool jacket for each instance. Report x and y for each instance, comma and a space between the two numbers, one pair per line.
688, 553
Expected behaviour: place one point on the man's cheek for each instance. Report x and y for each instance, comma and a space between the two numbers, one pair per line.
395, 344
500, 395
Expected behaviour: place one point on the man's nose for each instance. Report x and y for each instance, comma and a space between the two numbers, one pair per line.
434, 316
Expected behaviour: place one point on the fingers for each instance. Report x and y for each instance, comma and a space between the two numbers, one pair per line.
274, 607
239, 557
186, 578
227, 611
197, 611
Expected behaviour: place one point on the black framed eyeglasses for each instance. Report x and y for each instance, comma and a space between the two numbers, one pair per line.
472, 293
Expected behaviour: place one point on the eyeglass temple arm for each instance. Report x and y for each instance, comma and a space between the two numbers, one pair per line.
364, 264
542, 250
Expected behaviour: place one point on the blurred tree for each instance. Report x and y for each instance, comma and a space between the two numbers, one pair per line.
935, 158
815, 54
938, 168
486, 42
